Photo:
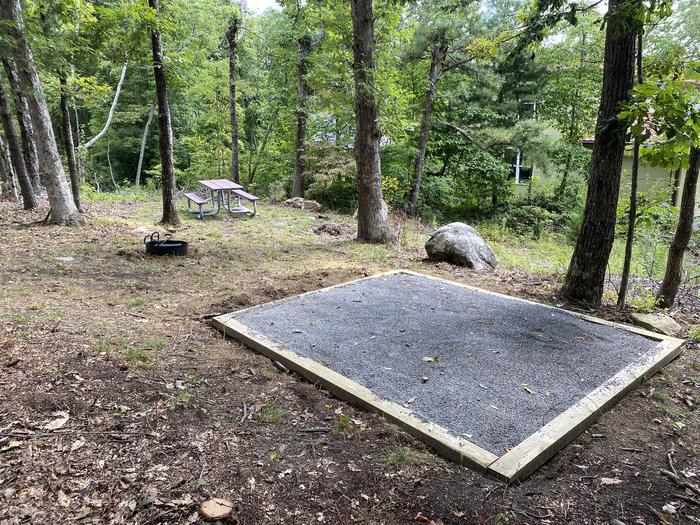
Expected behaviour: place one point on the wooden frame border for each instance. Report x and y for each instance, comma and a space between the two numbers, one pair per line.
517, 463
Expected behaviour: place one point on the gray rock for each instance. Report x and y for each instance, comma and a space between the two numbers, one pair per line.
460, 244
302, 204
657, 323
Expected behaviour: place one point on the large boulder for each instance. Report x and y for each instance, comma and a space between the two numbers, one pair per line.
657, 323
460, 244
302, 204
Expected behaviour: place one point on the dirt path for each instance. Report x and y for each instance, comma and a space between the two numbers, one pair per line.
163, 413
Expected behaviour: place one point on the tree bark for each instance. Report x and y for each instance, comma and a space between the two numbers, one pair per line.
232, 38
165, 128
372, 211
68, 145
668, 290
586, 275
9, 190
303, 52
63, 209
24, 119
632, 220
675, 183
28, 197
437, 55
142, 151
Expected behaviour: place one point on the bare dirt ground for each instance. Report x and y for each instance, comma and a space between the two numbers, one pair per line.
120, 404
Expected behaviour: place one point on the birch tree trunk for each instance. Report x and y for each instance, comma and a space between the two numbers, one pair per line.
437, 55
112, 109
165, 129
232, 38
68, 145
668, 290
372, 212
63, 209
9, 190
142, 151
303, 52
28, 197
24, 119
586, 275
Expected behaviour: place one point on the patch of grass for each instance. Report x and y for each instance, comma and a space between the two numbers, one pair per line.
136, 302
644, 302
694, 335
273, 414
658, 395
154, 344
137, 357
408, 458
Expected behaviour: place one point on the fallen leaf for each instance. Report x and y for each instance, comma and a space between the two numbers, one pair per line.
11, 445
665, 519
669, 508
420, 517
63, 500
59, 422
79, 443
610, 481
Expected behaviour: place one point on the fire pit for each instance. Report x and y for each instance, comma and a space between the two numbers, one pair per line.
166, 246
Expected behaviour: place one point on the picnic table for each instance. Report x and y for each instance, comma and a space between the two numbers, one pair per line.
221, 191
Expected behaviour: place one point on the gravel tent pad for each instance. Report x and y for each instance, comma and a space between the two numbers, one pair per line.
494, 382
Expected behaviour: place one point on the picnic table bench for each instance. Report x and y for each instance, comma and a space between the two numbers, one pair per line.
221, 190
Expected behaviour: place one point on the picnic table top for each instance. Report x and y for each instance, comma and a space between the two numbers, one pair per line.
220, 184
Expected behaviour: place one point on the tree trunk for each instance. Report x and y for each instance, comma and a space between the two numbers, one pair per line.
68, 145
586, 275
142, 151
675, 183
63, 209
26, 130
112, 109
9, 190
232, 37
28, 197
666, 295
437, 56
372, 212
632, 220
303, 52
165, 129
